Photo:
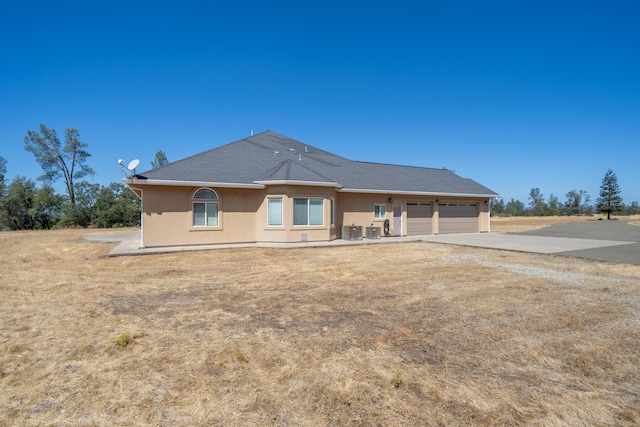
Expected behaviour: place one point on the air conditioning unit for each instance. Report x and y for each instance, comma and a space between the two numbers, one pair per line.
351, 232
373, 232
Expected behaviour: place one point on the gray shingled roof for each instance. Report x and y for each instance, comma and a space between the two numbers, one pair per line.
270, 157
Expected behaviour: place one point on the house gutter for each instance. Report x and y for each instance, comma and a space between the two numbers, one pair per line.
177, 183
134, 190
256, 184
414, 193
262, 184
127, 183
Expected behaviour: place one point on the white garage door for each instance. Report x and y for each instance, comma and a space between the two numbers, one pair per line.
458, 218
419, 219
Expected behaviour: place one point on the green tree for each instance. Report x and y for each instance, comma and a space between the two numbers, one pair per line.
633, 209
515, 208
585, 207
46, 210
160, 160
25, 207
554, 207
80, 212
17, 204
537, 203
3, 171
68, 161
577, 202
610, 200
497, 207
116, 206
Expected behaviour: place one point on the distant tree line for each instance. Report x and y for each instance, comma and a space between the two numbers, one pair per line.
27, 206
577, 202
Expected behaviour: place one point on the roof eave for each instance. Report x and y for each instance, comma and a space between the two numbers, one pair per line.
263, 184
415, 193
179, 183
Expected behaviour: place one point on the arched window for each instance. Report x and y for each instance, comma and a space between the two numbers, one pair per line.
205, 208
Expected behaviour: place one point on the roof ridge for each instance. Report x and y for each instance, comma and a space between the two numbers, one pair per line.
311, 170
403, 166
288, 163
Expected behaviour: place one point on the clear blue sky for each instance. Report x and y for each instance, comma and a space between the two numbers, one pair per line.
512, 94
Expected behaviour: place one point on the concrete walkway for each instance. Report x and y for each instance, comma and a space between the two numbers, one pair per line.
592, 248
130, 244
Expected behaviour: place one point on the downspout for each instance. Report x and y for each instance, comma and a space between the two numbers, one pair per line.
139, 196
141, 220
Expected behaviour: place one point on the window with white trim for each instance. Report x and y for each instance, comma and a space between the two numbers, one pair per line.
205, 208
380, 211
308, 211
274, 212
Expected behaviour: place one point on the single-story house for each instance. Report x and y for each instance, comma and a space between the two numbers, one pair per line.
271, 188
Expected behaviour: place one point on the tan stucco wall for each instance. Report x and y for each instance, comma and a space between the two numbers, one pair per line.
167, 214
242, 213
484, 217
358, 209
288, 232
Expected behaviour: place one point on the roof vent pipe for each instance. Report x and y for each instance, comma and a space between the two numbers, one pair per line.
300, 156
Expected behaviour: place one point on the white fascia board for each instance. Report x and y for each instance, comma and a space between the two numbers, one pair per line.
134, 190
176, 183
292, 182
414, 193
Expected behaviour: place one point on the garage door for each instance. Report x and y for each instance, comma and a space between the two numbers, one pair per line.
419, 219
458, 218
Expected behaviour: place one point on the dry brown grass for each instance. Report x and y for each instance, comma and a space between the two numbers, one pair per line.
519, 224
398, 334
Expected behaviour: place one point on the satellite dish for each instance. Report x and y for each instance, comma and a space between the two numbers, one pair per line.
120, 162
133, 164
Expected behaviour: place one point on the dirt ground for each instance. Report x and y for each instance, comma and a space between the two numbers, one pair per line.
398, 334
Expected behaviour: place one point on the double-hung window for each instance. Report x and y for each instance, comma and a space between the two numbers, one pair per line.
380, 211
274, 212
205, 208
308, 211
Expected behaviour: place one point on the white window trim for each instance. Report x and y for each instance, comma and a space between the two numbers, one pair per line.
206, 202
206, 214
384, 206
281, 212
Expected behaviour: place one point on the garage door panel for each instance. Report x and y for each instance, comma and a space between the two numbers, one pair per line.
419, 221
458, 225
458, 219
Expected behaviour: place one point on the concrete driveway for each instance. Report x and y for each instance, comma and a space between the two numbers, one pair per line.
619, 231
616, 241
